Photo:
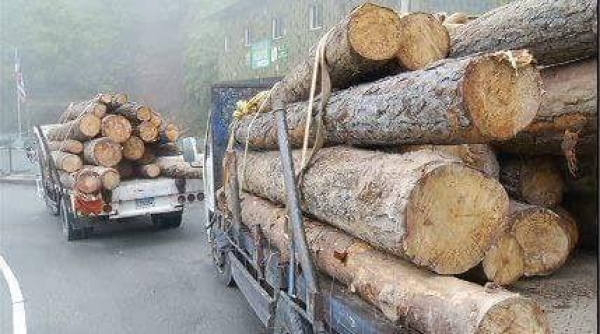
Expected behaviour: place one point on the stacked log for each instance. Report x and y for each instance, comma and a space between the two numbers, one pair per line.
448, 165
116, 139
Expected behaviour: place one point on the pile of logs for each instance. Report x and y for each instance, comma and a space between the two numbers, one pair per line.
456, 161
101, 141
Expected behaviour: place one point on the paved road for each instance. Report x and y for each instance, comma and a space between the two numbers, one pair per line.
125, 279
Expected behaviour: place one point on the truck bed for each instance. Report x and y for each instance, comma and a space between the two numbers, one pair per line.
568, 296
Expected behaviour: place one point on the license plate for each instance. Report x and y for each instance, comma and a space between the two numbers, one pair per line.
144, 202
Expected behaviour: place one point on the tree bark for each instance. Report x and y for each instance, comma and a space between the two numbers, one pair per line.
134, 112
116, 128
149, 171
176, 167
555, 31
147, 132
109, 177
84, 181
357, 47
569, 104
133, 148
536, 180
66, 161
69, 146
477, 156
169, 133
425, 301
452, 102
400, 203
102, 152
166, 150
82, 129
74, 110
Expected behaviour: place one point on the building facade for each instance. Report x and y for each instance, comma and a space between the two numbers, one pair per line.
266, 38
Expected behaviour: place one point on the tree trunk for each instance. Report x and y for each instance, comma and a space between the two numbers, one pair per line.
69, 146
150, 171
156, 119
453, 102
109, 177
477, 156
425, 301
66, 161
74, 110
569, 104
423, 40
166, 150
117, 128
85, 181
504, 262
357, 47
118, 99
169, 133
133, 148
82, 129
555, 31
134, 112
176, 167
400, 203
102, 152
147, 132
536, 180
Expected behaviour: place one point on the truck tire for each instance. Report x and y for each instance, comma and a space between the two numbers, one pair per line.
288, 321
167, 220
70, 224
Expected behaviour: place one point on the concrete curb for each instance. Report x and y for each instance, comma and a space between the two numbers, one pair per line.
18, 179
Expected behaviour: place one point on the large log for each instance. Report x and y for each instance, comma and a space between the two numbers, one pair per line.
102, 152
133, 148
147, 132
555, 31
117, 128
74, 110
534, 179
504, 262
569, 104
117, 100
457, 101
109, 177
169, 133
357, 47
477, 156
156, 119
81, 129
84, 181
134, 112
66, 161
69, 146
423, 40
149, 171
176, 167
425, 301
425, 206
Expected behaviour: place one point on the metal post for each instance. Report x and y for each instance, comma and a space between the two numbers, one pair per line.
17, 61
300, 246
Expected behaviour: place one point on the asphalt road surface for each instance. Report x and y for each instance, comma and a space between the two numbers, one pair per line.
128, 278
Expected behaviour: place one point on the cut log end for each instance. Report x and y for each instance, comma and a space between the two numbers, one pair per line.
171, 132
133, 148
445, 195
545, 241
424, 40
514, 315
502, 93
103, 152
148, 132
545, 187
503, 263
89, 125
116, 127
373, 32
119, 99
143, 113
150, 171
88, 181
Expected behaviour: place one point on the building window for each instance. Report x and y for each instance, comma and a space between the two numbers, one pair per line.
277, 28
247, 37
226, 44
315, 15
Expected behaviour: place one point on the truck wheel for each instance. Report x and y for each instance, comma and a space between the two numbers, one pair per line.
167, 220
288, 321
221, 264
69, 222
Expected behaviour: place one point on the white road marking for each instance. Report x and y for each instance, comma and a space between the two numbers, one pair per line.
18, 303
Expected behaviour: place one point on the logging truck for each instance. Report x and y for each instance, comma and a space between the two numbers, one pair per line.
285, 298
162, 198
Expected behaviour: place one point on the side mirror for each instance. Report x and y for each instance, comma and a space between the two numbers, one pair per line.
188, 145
